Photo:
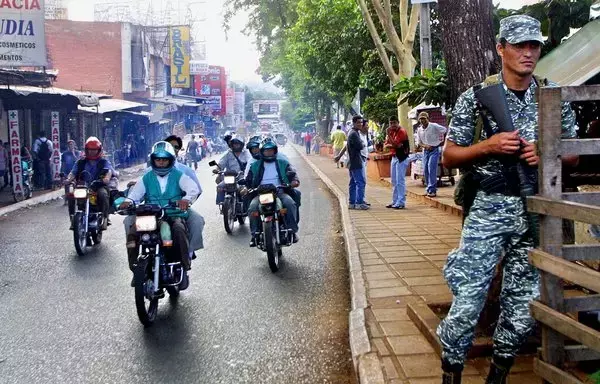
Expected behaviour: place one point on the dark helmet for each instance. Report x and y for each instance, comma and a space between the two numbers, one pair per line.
254, 143
268, 143
162, 150
236, 144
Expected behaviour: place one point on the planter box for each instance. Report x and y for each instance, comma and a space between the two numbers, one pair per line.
324, 150
378, 166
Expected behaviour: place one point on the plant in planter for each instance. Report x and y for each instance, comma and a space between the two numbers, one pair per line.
380, 139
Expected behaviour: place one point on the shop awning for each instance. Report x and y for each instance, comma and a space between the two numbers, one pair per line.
86, 99
177, 102
575, 60
112, 105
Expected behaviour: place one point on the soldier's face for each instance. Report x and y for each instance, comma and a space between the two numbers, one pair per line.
520, 58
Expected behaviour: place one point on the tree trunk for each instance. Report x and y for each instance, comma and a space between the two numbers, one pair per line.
468, 43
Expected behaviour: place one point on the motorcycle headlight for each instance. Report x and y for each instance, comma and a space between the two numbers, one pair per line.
266, 198
80, 193
229, 179
145, 223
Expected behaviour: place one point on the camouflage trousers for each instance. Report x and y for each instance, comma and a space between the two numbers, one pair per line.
494, 231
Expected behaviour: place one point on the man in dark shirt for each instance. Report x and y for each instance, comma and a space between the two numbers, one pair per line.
356, 194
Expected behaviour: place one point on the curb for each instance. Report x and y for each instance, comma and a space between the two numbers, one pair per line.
54, 195
367, 366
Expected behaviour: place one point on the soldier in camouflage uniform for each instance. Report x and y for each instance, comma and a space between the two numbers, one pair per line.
496, 226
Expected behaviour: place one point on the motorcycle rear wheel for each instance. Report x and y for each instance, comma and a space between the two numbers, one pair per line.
271, 247
146, 308
228, 216
79, 233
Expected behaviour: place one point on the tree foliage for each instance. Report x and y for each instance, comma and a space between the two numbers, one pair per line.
431, 87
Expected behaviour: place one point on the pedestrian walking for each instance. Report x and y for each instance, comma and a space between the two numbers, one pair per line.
496, 227
193, 152
430, 137
396, 141
69, 157
338, 139
3, 165
42, 150
356, 164
307, 142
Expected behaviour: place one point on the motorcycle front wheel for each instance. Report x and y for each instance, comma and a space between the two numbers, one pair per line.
228, 215
146, 305
271, 247
79, 233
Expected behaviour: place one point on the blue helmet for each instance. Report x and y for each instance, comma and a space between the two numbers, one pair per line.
254, 142
268, 143
162, 150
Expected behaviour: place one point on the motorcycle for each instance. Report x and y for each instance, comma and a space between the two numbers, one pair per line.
158, 266
273, 235
232, 207
26, 176
87, 220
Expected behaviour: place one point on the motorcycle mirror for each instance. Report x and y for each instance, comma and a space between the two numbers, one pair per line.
212, 163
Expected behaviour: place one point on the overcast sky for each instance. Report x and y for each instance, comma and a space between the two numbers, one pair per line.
238, 53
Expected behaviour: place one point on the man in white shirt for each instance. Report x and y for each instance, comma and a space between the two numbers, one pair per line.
430, 137
161, 186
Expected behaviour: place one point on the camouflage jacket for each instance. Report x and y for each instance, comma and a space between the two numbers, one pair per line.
524, 115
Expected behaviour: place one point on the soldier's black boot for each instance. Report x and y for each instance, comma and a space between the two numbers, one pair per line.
499, 370
452, 373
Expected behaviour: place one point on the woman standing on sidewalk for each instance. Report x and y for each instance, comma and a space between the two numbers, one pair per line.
397, 141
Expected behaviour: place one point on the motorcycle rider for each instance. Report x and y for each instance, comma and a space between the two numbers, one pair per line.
98, 168
234, 160
195, 221
164, 184
272, 170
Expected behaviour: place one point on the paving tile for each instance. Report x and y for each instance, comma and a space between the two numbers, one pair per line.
388, 292
372, 262
409, 345
428, 247
419, 237
399, 328
442, 257
407, 253
440, 264
407, 259
408, 266
376, 268
425, 242
438, 380
390, 370
432, 289
368, 255
444, 298
429, 280
524, 378
415, 366
391, 314
373, 328
379, 276
380, 347
395, 248
435, 251
399, 302
419, 272
386, 283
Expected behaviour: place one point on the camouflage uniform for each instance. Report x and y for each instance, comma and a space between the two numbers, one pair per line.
495, 227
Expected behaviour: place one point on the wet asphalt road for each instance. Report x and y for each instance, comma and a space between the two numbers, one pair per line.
71, 319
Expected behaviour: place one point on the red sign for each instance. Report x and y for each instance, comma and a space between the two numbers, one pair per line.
55, 135
15, 151
212, 85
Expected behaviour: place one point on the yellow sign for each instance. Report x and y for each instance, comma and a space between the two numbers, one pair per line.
179, 38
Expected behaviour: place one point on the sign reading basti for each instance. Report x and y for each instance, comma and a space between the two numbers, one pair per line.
55, 128
179, 38
22, 35
15, 151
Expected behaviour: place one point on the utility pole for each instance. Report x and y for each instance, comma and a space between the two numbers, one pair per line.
425, 35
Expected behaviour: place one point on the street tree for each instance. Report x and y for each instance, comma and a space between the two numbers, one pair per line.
394, 37
469, 43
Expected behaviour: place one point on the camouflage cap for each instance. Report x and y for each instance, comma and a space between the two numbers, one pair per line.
519, 28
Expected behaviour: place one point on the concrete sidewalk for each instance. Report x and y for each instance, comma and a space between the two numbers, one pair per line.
401, 255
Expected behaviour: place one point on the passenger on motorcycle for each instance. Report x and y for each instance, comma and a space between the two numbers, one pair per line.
234, 160
253, 147
93, 166
163, 185
195, 221
272, 170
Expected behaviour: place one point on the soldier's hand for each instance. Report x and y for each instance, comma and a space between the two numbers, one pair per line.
529, 153
504, 143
